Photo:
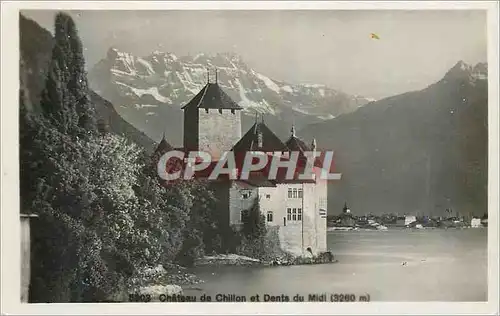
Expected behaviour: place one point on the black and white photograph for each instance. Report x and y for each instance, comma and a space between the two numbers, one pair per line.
291, 155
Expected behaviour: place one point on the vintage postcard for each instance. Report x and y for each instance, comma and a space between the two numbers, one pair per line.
249, 157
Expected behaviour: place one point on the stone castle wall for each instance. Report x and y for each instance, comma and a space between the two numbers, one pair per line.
240, 198
218, 132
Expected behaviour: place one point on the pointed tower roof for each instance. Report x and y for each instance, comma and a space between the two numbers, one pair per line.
163, 146
212, 97
295, 143
250, 141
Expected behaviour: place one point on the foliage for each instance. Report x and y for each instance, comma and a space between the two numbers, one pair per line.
90, 235
103, 215
253, 241
65, 99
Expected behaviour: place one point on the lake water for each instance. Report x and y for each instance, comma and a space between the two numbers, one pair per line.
442, 265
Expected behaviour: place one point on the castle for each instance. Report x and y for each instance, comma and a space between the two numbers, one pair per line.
296, 208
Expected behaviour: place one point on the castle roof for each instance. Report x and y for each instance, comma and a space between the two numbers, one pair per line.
161, 149
212, 97
250, 141
297, 144
163, 146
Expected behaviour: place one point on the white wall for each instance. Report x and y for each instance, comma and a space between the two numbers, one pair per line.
410, 219
297, 235
476, 222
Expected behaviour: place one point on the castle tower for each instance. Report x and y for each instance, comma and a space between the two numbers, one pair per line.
212, 121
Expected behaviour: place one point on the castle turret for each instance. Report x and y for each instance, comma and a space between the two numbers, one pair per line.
212, 121
295, 143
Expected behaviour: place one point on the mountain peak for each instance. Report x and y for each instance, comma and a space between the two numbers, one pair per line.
146, 84
480, 69
462, 70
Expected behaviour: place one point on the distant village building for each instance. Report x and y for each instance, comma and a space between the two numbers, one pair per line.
346, 219
476, 222
296, 208
410, 219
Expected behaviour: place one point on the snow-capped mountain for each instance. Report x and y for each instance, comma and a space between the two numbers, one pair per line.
149, 90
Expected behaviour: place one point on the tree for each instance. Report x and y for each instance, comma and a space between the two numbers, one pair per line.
77, 182
103, 215
166, 210
254, 222
78, 84
253, 231
65, 99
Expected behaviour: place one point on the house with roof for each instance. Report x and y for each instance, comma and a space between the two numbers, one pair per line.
295, 207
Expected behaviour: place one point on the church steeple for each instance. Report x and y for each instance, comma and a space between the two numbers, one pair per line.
346, 209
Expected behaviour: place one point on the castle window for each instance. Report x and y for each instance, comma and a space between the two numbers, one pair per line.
269, 216
294, 193
206, 110
289, 214
322, 203
232, 111
245, 194
299, 215
268, 196
260, 141
220, 111
294, 214
300, 193
289, 193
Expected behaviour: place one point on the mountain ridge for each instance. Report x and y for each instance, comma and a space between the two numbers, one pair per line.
149, 88
418, 152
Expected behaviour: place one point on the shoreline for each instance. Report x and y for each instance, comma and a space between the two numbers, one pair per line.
283, 260
397, 228
175, 279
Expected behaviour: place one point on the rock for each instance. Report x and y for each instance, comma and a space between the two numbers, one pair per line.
227, 259
324, 257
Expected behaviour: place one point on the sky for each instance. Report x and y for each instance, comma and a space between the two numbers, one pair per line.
415, 48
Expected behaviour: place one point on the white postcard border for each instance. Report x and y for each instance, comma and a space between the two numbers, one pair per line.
10, 226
